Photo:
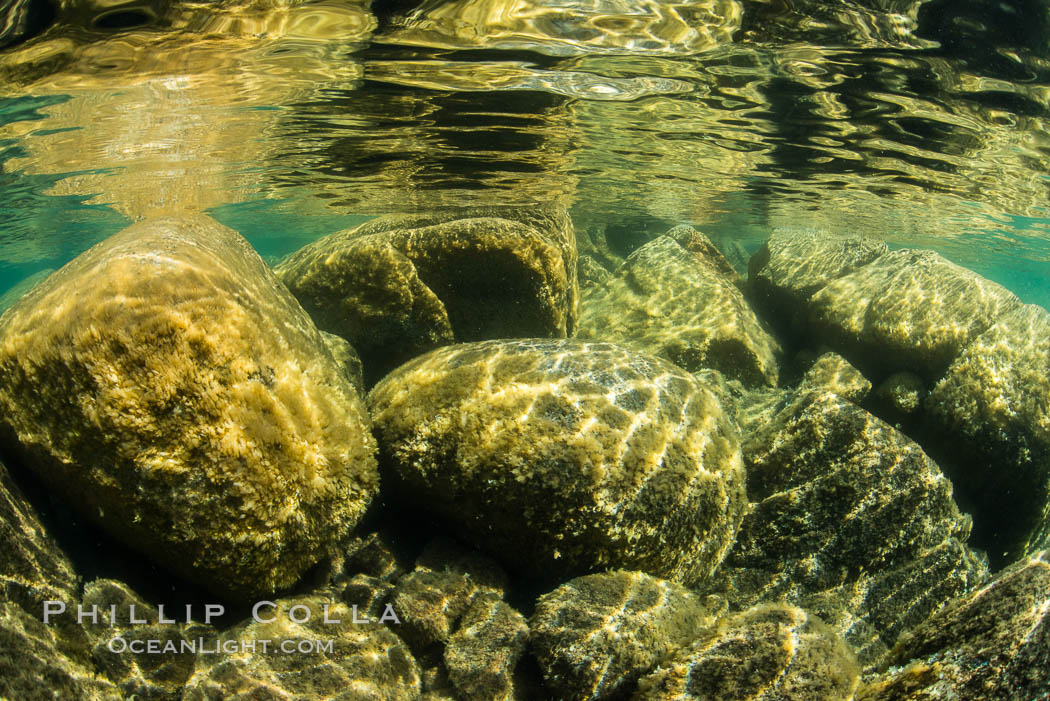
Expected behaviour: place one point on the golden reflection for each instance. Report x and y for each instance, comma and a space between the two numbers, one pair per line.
176, 121
571, 27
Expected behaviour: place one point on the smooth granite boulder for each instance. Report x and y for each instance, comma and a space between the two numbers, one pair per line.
168, 386
839, 498
281, 657
992, 413
794, 263
768, 653
597, 635
398, 286
907, 310
682, 304
990, 645
561, 457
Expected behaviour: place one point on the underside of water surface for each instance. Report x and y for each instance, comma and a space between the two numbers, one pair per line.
525, 349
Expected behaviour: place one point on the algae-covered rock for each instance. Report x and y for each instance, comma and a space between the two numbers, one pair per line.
902, 393
907, 310
482, 654
591, 273
121, 631
345, 357
838, 498
33, 666
297, 652
33, 568
398, 286
992, 412
447, 579
39, 661
795, 263
559, 457
596, 635
833, 373
872, 610
175, 393
673, 302
992, 644
769, 653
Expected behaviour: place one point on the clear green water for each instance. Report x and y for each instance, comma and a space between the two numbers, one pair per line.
922, 123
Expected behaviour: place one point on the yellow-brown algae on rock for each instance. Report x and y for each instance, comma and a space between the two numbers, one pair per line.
596, 635
772, 652
794, 263
175, 393
563, 457
991, 411
682, 304
989, 645
401, 285
302, 649
907, 310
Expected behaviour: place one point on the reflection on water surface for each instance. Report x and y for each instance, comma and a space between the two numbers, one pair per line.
924, 123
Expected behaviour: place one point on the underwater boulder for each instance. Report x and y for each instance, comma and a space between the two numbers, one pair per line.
992, 413
833, 373
772, 652
682, 304
169, 387
121, 635
838, 499
34, 570
305, 648
34, 663
908, 310
794, 263
482, 655
447, 580
596, 635
560, 457
991, 644
401, 285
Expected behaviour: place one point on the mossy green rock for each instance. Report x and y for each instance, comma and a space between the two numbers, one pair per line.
991, 644
398, 286
992, 410
769, 653
907, 310
597, 635
366, 662
839, 498
169, 387
794, 263
561, 457
673, 302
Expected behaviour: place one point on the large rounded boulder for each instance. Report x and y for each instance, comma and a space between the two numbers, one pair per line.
400, 285
564, 457
176, 394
